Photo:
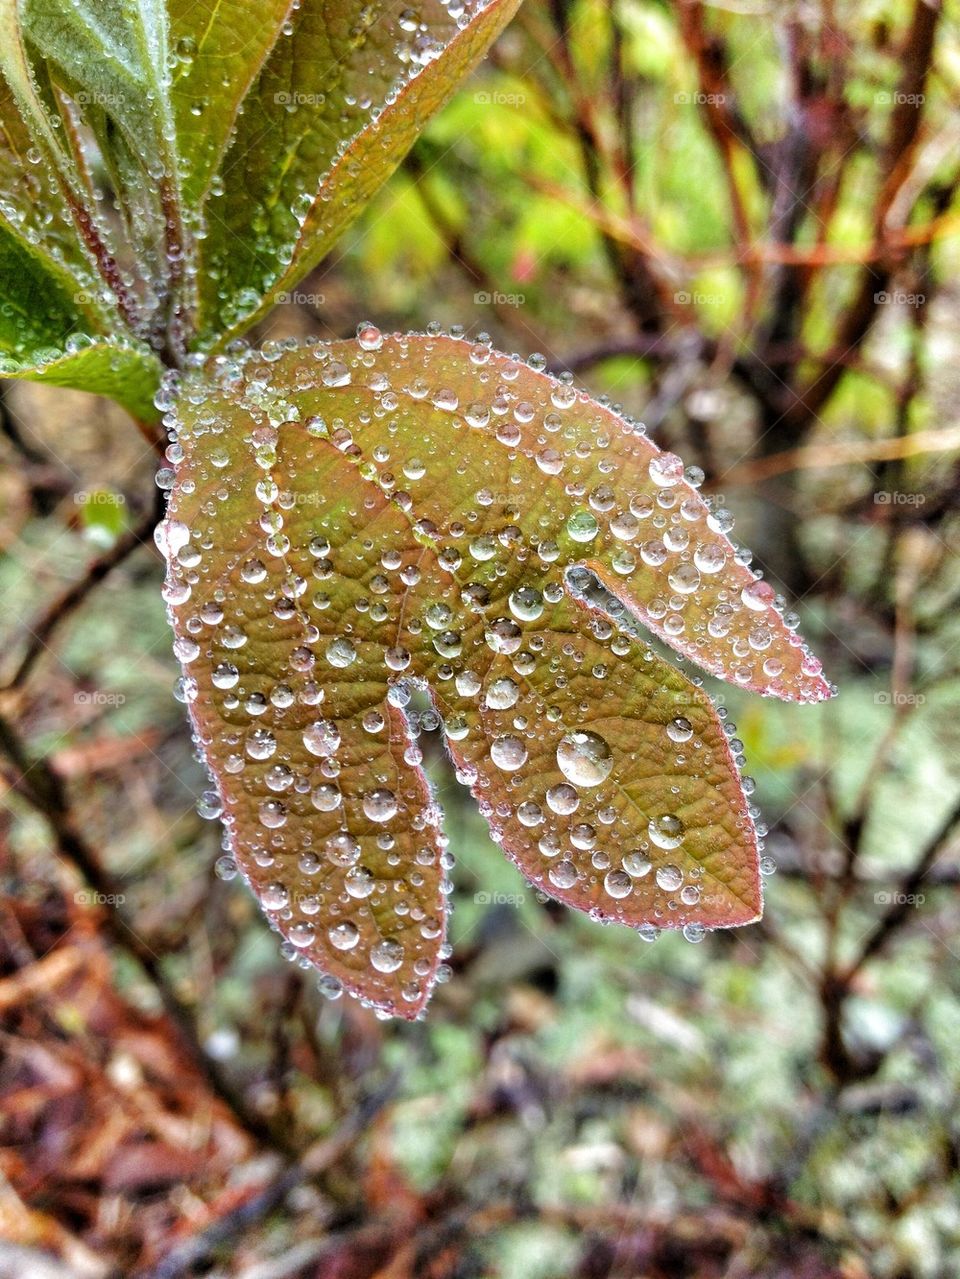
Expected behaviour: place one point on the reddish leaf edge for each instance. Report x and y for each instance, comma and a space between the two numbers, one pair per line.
753, 905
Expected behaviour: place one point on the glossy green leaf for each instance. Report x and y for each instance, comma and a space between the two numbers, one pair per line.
351, 522
338, 103
123, 370
33, 209
218, 51
239, 140
60, 320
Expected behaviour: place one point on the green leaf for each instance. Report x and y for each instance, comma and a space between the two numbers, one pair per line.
218, 52
239, 139
121, 369
110, 58
59, 316
45, 334
353, 521
33, 209
337, 105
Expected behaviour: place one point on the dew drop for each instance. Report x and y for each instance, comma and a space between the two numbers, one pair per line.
582, 526
359, 882
680, 729
275, 897
322, 738
342, 849
387, 955
636, 864
272, 814
341, 653
666, 831
584, 758
618, 884
563, 874
325, 797
502, 694
669, 878
344, 936
380, 805
301, 934
666, 470
563, 799
526, 604
508, 753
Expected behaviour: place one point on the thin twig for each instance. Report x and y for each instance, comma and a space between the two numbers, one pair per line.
60, 609
903, 897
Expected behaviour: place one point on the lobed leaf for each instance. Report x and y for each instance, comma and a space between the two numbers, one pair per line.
351, 522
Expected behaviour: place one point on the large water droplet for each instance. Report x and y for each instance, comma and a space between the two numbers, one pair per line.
584, 758
380, 805
563, 874
387, 955
502, 694
359, 882
666, 831
344, 936
582, 526
508, 753
618, 884
669, 878
563, 799
322, 737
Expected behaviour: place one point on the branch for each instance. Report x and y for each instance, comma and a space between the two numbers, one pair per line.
64, 605
852, 453
183, 1259
901, 144
901, 905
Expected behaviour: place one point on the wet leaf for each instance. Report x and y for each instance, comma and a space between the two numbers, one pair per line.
238, 140
338, 102
351, 522
123, 370
49, 289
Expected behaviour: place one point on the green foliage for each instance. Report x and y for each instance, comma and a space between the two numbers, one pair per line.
238, 141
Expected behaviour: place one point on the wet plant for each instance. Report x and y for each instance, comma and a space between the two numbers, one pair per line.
368, 538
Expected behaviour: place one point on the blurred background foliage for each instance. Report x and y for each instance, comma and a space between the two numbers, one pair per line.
739, 221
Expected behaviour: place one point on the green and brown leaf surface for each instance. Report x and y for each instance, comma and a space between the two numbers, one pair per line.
352, 522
